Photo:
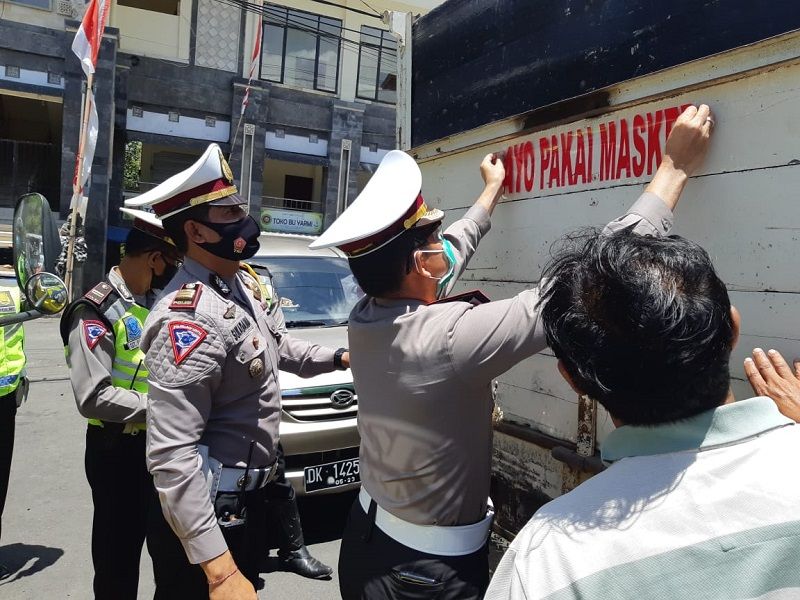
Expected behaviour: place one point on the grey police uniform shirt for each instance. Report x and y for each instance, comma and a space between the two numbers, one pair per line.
90, 369
423, 375
223, 393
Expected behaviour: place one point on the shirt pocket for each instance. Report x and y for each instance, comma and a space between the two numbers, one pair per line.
253, 356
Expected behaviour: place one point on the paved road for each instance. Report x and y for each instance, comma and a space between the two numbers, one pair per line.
46, 525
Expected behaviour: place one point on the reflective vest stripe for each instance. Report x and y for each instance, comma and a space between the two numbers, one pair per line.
126, 378
12, 353
121, 362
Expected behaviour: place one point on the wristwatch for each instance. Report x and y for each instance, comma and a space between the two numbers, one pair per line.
337, 359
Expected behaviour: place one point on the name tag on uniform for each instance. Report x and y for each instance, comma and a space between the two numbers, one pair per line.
7, 303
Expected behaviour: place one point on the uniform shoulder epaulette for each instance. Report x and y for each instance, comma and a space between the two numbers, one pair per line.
474, 297
98, 294
99, 298
187, 297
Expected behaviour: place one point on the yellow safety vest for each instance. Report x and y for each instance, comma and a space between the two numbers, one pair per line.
127, 368
12, 341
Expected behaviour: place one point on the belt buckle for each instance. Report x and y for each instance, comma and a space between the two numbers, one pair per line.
244, 481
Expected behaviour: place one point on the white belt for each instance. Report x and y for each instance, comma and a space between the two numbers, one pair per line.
456, 540
220, 478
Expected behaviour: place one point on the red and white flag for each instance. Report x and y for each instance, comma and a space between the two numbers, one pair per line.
86, 44
91, 139
254, 58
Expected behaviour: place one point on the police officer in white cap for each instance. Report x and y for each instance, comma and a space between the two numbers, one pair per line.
423, 370
213, 355
101, 333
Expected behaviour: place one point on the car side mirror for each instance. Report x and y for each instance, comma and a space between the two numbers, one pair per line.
46, 293
36, 247
36, 243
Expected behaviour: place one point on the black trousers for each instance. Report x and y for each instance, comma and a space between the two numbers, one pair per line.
176, 578
8, 414
373, 566
121, 491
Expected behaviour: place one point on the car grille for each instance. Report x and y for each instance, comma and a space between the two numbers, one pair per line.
326, 403
310, 459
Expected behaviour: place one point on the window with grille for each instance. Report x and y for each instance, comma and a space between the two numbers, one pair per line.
377, 65
300, 49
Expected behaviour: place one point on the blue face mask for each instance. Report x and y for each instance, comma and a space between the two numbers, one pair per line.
450, 256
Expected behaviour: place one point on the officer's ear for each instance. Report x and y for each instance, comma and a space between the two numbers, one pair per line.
419, 264
153, 258
195, 231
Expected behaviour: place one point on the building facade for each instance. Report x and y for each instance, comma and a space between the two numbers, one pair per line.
170, 79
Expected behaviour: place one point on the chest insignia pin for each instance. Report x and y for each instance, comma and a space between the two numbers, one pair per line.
256, 368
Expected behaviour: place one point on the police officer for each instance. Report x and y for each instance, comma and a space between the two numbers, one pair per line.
102, 332
284, 516
213, 354
424, 368
12, 374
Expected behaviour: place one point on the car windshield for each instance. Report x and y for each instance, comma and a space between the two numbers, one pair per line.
314, 291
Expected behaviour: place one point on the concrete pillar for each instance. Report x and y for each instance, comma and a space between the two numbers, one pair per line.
347, 123
255, 118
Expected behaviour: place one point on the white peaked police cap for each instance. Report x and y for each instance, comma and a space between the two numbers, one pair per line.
390, 204
148, 223
209, 180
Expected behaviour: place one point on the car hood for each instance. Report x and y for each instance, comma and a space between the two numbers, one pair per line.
332, 337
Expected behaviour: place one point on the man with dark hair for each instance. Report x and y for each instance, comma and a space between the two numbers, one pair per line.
423, 370
213, 354
700, 498
101, 333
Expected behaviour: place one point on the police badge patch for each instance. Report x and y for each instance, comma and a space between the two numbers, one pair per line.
185, 337
133, 331
93, 332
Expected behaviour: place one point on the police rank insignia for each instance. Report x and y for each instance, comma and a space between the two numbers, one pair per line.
219, 284
185, 337
93, 332
187, 297
99, 293
7, 303
256, 368
133, 331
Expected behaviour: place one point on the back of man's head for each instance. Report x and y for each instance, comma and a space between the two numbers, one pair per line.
642, 324
382, 271
139, 242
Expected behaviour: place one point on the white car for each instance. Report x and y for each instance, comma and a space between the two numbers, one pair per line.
316, 291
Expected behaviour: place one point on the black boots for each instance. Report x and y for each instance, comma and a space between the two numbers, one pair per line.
292, 553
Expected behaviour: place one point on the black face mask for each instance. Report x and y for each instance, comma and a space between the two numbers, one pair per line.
159, 282
239, 239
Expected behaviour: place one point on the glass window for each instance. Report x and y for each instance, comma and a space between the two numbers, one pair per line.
300, 49
377, 65
168, 7
313, 292
44, 4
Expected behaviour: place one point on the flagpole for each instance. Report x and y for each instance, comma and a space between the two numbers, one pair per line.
77, 187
